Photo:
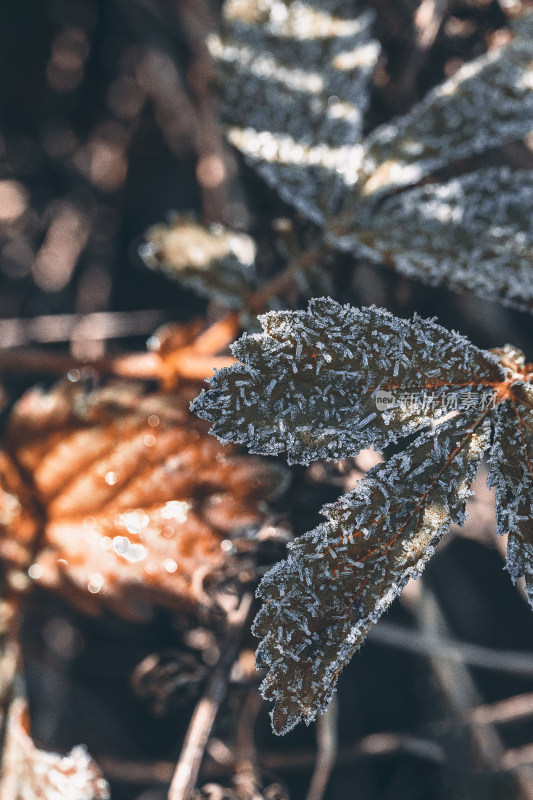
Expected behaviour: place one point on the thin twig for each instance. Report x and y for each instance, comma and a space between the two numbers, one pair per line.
327, 741
454, 679
390, 14
512, 709
374, 746
461, 692
247, 778
143, 366
197, 20
64, 327
508, 661
427, 23
203, 718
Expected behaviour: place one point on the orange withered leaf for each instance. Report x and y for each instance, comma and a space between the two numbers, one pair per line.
131, 502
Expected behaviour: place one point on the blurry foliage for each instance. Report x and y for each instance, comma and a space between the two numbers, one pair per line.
105, 530
295, 84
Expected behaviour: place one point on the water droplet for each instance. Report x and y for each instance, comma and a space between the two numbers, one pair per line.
128, 550
227, 546
176, 509
96, 584
153, 420
74, 375
62, 562
35, 572
111, 478
170, 565
133, 521
149, 440
168, 531
106, 543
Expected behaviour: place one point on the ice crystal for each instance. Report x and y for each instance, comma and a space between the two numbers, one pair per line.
295, 84
328, 382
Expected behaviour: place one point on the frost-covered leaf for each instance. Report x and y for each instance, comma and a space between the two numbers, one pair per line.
511, 472
326, 383
214, 261
340, 577
488, 102
295, 83
32, 774
132, 499
308, 385
474, 233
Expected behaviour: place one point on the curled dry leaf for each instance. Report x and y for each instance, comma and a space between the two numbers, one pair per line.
116, 496
214, 261
32, 774
328, 382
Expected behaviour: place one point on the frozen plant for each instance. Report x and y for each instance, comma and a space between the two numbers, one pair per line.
295, 81
311, 385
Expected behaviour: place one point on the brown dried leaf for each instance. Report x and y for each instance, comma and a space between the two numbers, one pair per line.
32, 774
132, 502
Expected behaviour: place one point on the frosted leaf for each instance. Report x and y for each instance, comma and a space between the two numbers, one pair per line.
295, 83
214, 262
341, 576
474, 233
305, 386
511, 474
32, 774
333, 380
488, 102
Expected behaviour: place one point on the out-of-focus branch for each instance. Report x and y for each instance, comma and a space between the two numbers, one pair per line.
203, 719
427, 22
139, 366
197, 20
327, 742
460, 692
509, 661
391, 16
99, 325
247, 778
